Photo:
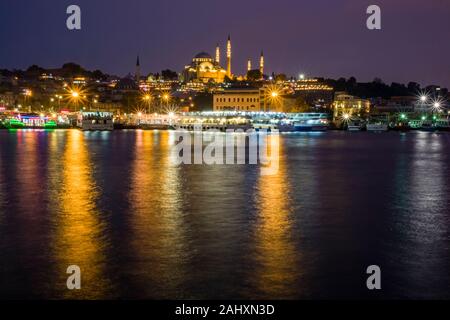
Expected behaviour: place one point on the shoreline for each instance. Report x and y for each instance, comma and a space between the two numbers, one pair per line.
167, 129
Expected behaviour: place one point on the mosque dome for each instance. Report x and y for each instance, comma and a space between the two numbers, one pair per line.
203, 55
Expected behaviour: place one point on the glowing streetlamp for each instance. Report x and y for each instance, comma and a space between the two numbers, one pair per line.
272, 95
75, 97
166, 97
147, 98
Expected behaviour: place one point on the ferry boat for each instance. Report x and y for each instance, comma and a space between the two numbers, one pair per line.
378, 123
30, 121
310, 121
281, 125
205, 123
95, 121
442, 124
428, 125
14, 124
157, 121
415, 124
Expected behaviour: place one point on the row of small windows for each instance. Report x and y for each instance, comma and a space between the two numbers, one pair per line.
246, 108
237, 99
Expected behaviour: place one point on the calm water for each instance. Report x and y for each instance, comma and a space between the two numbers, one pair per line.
140, 227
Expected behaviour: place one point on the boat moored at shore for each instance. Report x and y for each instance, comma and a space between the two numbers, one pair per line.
378, 123
95, 121
310, 121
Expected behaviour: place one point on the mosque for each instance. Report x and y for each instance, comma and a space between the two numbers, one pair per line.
205, 68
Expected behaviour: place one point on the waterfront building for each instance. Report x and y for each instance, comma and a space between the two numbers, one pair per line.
346, 104
247, 99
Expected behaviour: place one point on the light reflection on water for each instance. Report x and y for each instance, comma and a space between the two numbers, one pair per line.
140, 227
157, 243
79, 234
276, 256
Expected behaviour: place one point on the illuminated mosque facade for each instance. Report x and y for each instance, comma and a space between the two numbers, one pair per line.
206, 69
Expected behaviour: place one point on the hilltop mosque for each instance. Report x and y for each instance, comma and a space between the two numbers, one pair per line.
205, 68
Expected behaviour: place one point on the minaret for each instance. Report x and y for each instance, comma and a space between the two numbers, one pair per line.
229, 58
138, 71
249, 65
217, 54
261, 64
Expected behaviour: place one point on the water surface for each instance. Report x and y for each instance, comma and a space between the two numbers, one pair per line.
140, 227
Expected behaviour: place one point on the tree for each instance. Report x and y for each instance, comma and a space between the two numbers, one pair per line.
295, 105
35, 69
254, 75
280, 77
97, 74
413, 87
71, 69
378, 81
169, 74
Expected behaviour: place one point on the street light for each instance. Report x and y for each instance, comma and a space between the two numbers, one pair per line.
148, 98
166, 97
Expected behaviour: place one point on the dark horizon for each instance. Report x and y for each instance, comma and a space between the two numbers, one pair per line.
296, 37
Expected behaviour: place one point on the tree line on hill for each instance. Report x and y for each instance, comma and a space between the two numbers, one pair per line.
374, 89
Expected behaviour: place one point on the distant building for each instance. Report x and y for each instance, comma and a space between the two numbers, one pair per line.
345, 104
237, 100
126, 85
206, 69
314, 92
398, 104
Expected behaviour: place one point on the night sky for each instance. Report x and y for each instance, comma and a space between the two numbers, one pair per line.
325, 38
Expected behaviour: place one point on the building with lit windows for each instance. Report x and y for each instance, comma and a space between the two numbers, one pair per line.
345, 104
237, 100
315, 93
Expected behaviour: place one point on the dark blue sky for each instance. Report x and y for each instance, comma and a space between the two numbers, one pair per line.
316, 37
